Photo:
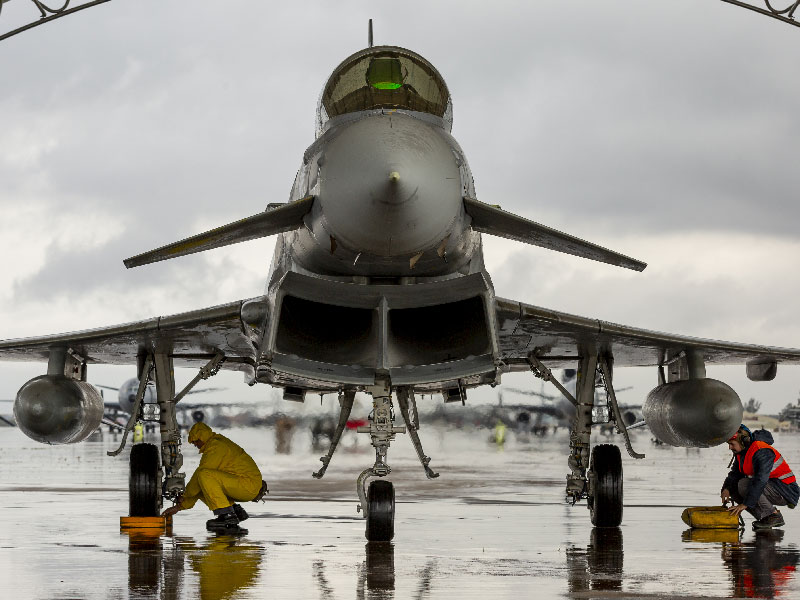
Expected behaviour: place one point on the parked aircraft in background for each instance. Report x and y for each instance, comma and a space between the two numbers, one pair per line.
378, 285
6, 413
126, 399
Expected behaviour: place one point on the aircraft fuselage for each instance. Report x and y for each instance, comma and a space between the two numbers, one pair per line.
389, 188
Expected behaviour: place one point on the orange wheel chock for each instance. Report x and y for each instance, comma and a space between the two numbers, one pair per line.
145, 522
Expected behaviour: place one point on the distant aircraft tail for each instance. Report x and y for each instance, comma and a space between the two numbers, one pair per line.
495, 221
271, 222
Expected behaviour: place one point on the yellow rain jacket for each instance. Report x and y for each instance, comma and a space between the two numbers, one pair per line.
226, 473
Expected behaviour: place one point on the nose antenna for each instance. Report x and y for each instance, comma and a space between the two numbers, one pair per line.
370, 33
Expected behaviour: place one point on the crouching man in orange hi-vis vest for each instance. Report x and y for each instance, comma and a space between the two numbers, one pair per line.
226, 474
760, 479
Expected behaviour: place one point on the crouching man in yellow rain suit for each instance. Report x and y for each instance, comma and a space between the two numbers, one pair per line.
226, 474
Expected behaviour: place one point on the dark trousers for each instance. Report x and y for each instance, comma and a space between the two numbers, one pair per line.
766, 502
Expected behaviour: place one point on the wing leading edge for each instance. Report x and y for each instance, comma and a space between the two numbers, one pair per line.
191, 338
495, 221
271, 222
557, 339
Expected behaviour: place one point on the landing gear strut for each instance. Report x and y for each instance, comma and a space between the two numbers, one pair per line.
377, 501
146, 489
599, 480
380, 524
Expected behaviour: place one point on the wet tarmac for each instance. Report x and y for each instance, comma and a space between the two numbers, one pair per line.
494, 525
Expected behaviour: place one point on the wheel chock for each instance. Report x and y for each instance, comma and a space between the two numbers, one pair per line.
145, 522
710, 517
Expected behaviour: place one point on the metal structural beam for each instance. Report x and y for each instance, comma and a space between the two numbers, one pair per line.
782, 14
46, 13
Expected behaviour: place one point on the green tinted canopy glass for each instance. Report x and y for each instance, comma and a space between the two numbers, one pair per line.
385, 73
384, 77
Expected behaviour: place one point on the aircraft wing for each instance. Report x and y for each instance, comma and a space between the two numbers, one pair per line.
191, 338
557, 337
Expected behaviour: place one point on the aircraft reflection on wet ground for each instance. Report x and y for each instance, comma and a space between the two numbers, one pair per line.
760, 568
493, 525
225, 565
228, 566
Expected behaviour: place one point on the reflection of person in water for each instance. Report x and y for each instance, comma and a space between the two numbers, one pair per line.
762, 568
225, 566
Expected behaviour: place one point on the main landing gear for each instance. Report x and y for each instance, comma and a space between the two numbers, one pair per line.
155, 475
595, 474
144, 485
377, 502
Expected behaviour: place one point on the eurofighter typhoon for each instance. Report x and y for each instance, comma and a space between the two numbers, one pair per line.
378, 285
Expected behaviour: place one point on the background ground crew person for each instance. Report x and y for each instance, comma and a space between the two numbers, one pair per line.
226, 474
760, 479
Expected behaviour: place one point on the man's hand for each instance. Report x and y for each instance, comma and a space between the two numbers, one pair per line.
173, 509
738, 509
726, 497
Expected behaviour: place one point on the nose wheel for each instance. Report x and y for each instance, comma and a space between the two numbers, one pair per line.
380, 511
376, 501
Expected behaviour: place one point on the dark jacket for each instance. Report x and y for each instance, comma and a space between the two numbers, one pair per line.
762, 466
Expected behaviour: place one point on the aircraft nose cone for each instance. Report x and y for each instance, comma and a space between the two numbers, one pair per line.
389, 185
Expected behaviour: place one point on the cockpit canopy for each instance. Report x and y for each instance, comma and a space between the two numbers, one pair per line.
385, 77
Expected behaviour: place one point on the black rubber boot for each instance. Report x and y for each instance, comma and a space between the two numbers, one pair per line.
227, 523
241, 513
770, 521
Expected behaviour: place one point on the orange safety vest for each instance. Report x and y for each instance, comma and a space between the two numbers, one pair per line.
780, 468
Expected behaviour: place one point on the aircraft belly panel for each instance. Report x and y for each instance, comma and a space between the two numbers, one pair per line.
557, 339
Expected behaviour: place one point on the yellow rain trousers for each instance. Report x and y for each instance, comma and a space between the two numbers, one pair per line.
226, 473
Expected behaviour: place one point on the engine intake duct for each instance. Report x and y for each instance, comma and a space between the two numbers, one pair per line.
331, 331
695, 413
327, 332
439, 333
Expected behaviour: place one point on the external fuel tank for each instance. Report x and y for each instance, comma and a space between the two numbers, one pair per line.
693, 413
53, 409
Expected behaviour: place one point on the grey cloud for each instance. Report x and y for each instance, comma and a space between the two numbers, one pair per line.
597, 118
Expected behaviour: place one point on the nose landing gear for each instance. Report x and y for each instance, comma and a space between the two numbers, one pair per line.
378, 505
377, 501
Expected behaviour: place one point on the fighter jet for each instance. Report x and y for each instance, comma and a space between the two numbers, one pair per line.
378, 285
126, 399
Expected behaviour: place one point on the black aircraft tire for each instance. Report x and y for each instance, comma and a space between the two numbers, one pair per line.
144, 485
606, 503
380, 518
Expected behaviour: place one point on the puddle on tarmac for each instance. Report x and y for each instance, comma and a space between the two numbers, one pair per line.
493, 525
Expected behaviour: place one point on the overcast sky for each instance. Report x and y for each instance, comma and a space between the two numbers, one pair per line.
663, 130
